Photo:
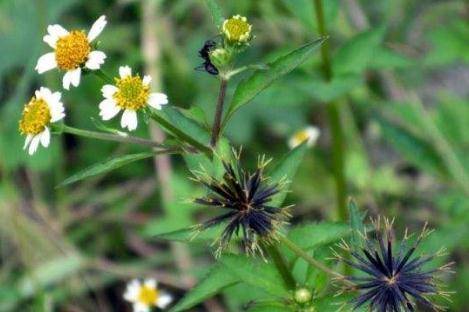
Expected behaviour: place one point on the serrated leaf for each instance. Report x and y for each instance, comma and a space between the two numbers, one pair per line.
356, 222
215, 11
286, 169
217, 279
256, 273
104, 167
248, 88
355, 55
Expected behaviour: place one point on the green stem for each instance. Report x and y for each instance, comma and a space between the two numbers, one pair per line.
281, 265
101, 74
110, 137
180, 135
313, 262
333, 115
218, 112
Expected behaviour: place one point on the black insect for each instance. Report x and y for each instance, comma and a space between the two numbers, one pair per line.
204, 53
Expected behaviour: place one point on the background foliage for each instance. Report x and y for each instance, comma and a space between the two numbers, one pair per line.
400, 73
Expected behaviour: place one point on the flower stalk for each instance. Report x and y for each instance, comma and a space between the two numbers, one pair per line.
333, 115
313, 262
280, 264
110, 137
105, 77
219, 112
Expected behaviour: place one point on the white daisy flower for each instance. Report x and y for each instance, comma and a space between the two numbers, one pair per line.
43, 109
146, 295
72, 52
309, 134
237, 29
130, 94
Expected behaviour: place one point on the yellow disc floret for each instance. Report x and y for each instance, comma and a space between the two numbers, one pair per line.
132, 93
237, 29
301, 136
148, 295
72, 50
36, 116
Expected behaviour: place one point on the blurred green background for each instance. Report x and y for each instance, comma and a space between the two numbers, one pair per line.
401, 75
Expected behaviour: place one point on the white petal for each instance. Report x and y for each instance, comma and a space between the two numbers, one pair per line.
108, 91
157, 99
44, 93
129, 120
57, 31
34, 144
140, 307
46, 62
57, 111
50, 40
45, 137
97, 28
108, 109
95, 60
28, 139
132, 291
313, 134
125, 71
146, 80
151, 283
72, 77
163, 300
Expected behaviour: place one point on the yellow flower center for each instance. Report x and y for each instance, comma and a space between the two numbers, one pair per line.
132, 93
237, 29
301, 136
72, 50
36, 116
148, 295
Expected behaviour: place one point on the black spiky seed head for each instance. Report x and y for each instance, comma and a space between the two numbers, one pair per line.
246, 198
394, 279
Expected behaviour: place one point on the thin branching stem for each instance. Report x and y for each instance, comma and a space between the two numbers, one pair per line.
218, 112
101, 74
281, 265
111, 137
313, 262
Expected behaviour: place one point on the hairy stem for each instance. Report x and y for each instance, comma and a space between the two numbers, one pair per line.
333, 115
281, 265
110, 137
219, 112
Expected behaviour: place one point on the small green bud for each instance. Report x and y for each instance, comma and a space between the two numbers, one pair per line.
220, 58
302, 295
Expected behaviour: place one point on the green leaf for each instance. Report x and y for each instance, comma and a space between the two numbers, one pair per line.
217, 279
286, 169
215, 11
388, 59
356, 222
415, 149
256, 273
189, 234
355, 55
186, 129
248, 88
104, 167
312, 235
